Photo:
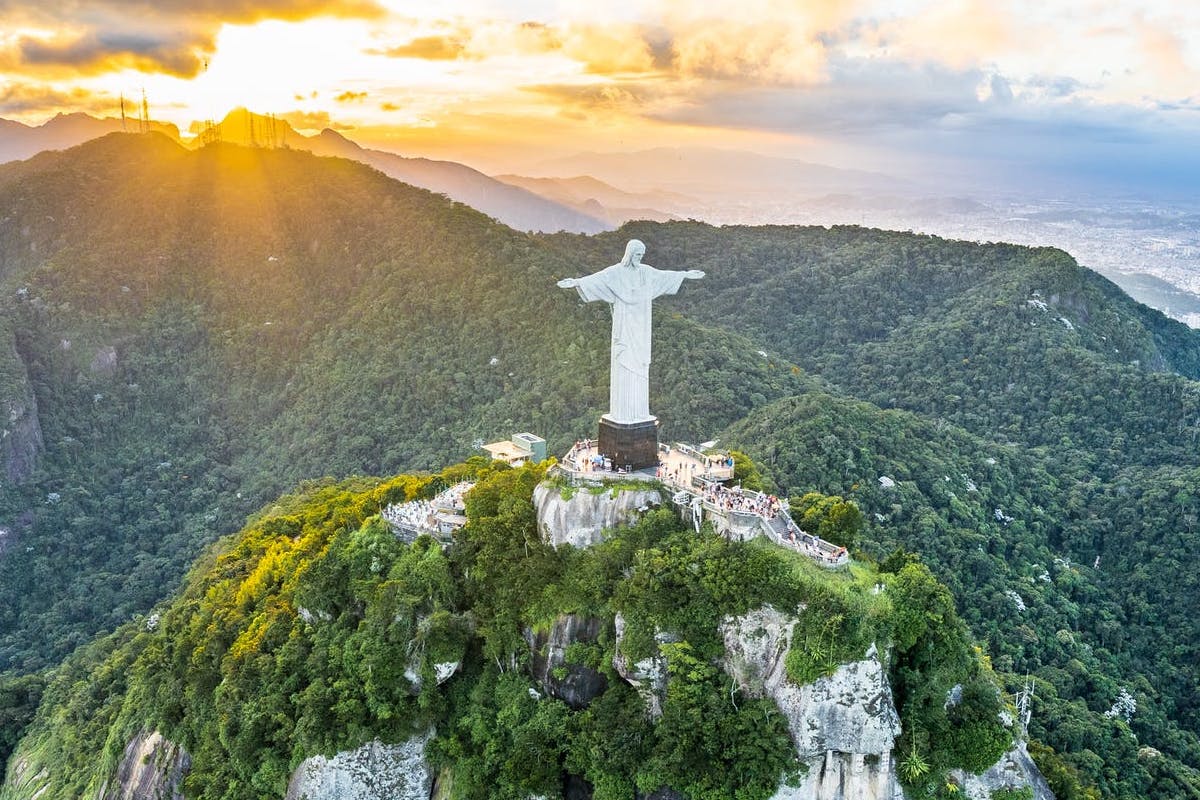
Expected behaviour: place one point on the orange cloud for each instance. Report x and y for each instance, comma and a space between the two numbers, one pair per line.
431, 48
1162, 51
165, 36
311, 120
959, 34
608, 50
350, 97
30, 98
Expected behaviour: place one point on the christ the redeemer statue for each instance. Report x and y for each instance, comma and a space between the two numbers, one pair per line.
630, 287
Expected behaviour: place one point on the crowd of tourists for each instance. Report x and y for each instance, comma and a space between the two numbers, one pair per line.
421, 515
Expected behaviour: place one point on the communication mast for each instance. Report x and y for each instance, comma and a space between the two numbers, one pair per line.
124, 129
210, 131
144, 120
1025, 703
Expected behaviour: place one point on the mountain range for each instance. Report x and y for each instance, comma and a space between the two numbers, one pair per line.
512, 205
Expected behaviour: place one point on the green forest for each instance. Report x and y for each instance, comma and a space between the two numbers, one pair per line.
253, 319
315, 629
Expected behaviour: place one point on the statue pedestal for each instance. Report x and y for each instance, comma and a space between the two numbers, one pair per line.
630, 445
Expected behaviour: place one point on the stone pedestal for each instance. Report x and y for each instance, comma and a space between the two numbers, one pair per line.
630, 445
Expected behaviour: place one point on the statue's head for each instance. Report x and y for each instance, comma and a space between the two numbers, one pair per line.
633, 253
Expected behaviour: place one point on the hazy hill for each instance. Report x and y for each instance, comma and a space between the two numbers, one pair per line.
594, 197
19, 141
203, 329
706, 172
513, 205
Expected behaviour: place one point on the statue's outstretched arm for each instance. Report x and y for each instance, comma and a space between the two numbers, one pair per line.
568, 283
694, 274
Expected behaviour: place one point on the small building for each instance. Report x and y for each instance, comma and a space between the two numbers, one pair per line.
522, 448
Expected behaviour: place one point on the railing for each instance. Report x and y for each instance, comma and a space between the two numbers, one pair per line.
744, 512
777, 525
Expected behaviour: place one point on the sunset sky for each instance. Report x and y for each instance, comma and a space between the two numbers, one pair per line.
1108, 87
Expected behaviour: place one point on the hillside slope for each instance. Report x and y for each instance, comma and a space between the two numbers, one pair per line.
315, 630
202, 329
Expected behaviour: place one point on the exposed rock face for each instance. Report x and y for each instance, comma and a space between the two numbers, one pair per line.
20, 430
844, 726
442, 672
582, 519
579, 685
105, 360
152, 768
1014, 770
648, 676
375, 771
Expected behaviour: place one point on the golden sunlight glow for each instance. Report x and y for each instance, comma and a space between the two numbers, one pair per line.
482, 76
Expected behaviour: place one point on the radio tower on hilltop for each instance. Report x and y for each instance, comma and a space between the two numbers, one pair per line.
210, 131
144, 119
124, 129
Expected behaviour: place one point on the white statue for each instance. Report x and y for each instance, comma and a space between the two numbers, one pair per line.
629, 286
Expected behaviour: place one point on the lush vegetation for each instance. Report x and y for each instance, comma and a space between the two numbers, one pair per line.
986, 519
203, 330
315, 629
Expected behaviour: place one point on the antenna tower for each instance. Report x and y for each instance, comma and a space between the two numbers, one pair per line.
124, 129
144, 122
1025, 704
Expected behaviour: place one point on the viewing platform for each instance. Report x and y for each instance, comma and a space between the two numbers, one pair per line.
439, 517
698, 479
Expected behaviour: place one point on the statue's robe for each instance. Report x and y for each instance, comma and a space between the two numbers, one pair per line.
630, 291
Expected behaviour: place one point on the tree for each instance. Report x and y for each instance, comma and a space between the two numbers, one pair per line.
831, 517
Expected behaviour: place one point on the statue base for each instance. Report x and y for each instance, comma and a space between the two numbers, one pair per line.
630, 445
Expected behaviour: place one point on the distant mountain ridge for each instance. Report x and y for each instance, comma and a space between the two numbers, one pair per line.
19, 141
512, 205
596, 198
707, 171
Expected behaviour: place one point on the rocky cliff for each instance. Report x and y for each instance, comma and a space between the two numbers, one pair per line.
1014, 770
574, 684
843, 726
579, 517
375, 771
152, 768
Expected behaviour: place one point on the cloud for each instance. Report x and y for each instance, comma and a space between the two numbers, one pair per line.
1163, 52
28, 98
349, 96
775, 42
167, 36
104, 51
860, 97
308, 120
629, 97
430, 48
957, 33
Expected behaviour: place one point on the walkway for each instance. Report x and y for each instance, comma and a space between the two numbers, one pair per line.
698, 481
439, 517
